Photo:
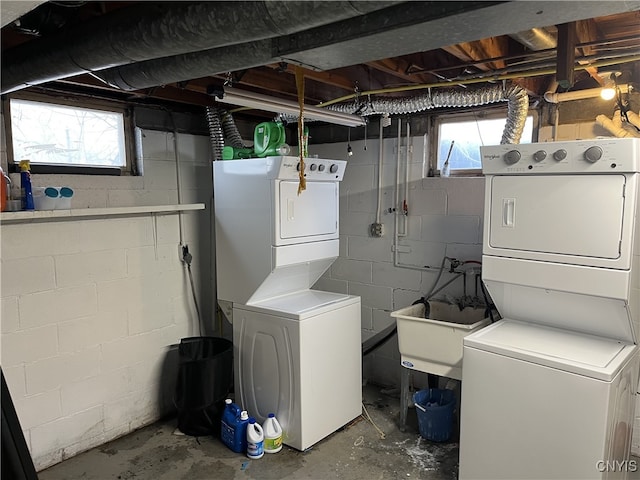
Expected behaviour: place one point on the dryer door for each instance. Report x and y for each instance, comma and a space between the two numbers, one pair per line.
575, 219
308, 217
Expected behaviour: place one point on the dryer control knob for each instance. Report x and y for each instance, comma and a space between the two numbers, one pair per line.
512, 157
539, 155
321, 167
333, 168
559, 155
313, 167
593, 154
298, 166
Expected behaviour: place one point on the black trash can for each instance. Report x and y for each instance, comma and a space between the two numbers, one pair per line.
205, 376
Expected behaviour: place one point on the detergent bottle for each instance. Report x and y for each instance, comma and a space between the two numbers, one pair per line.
272, 434
230, 426
255, 440
25, 183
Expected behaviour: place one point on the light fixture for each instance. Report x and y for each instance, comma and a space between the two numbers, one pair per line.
608, 90
242, 98
609, 84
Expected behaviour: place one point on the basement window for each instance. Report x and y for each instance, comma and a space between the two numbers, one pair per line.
469, 132
67, 137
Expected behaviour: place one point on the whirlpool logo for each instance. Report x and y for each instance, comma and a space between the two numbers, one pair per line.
493, 156
617, 466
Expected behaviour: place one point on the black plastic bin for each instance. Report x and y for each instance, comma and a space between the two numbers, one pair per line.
205, 376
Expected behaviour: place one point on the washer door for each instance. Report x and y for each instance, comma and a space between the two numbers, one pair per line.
308, 217
574, 219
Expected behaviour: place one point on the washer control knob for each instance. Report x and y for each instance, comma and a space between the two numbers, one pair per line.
512, 157
593, 154
559, 155
298, 166
313, 167
321, 167
539, 155
333, 168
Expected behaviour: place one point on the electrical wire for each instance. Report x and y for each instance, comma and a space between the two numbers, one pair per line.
368, 417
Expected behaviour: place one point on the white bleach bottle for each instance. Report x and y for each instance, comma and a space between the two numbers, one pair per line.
255, 440
272, 434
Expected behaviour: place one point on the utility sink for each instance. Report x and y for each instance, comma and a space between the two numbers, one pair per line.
434, 344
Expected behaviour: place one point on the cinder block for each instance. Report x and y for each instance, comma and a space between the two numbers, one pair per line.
29, 345
331, 285
42, 239
421, 254
34, 410
9, 316
451, 228
388, 275
167, 229
50, 437
79, 334
351, 270
153, 260
27, 275
157, 145
373, 296
146, 372
403, 298
14, 377
126, 351
128, 198
194, 148
366, 320
90, 392
54, 306
428, 202
90, 267
57, 371
467, 196
382, 319
115, 233
151, 317
159, 175
368, 248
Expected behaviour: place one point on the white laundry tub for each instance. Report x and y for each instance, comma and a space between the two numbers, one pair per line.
434, 345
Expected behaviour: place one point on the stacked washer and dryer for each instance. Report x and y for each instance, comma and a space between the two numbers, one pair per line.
549, 390
297, 351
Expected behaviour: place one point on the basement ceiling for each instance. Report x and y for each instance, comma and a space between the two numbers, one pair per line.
183, 51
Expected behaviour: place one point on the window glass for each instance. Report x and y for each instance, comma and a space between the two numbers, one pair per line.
52, 134
468, 134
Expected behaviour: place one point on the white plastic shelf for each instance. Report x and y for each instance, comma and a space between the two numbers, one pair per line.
86, 213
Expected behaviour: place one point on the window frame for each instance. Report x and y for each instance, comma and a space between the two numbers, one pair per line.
486, 113
130, 167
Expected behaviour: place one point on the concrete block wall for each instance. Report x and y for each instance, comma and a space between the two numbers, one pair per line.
92, 309
444, 218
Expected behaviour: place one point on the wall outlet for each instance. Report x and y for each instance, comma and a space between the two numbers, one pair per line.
376, 229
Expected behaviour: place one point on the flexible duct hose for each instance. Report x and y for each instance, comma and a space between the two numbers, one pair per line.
230, 130
517, 98
215, 133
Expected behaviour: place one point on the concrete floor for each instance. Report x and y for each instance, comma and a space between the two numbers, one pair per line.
356, 452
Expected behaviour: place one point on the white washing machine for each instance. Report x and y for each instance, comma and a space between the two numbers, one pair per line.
297, 351
549, 391
300, 358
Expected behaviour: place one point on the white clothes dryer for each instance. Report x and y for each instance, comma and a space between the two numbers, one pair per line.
549, 391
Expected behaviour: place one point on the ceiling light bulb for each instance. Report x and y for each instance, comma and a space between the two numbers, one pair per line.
607, 93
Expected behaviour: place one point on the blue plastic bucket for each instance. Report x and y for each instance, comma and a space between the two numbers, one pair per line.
435, 413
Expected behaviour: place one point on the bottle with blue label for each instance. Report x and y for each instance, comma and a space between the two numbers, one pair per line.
25, 181
233, 427
255, 440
